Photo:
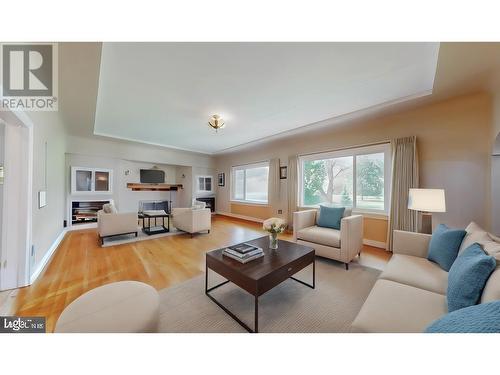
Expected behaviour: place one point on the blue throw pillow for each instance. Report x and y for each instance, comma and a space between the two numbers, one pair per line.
483, 318
330, 217
444, 245
468, 276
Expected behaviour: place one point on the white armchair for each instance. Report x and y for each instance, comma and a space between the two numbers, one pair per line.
116, 224
192, 220
342, 245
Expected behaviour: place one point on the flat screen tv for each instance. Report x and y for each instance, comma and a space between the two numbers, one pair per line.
152, 176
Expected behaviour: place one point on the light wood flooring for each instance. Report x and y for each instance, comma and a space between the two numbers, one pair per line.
80, 264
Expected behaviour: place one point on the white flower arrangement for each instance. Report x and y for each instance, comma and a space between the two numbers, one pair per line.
274, 225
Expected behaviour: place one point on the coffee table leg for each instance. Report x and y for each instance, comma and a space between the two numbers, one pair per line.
206, 277
256, 323
314, 274
313, 285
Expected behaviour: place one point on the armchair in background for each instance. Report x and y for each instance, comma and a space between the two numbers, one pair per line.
192, 220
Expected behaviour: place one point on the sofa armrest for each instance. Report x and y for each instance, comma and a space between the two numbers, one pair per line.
351, 237
180, 211
303, 219
410, 243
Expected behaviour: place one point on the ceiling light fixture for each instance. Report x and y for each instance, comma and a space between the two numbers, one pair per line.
216, 122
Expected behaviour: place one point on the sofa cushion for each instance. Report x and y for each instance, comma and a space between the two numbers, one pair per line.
320, 235
491, 291
444, 245
330, 217
394, 307
418, 272
468, 276
484, 318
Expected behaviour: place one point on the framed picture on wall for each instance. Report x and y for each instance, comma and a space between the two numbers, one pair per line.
221, 179
283, 172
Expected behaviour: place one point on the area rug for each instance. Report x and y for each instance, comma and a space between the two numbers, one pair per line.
289, 307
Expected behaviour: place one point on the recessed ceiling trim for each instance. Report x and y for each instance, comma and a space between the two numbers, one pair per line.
103, 134
329, 121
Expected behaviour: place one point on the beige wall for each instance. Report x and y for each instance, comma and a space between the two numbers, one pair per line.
495, 165
454, 140
375, 229
252, 211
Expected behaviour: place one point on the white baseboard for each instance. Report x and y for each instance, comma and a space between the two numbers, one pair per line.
47, 256
379, 244
249, 218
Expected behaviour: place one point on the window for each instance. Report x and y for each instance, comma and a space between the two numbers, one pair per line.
357, 178
249, 183
204, 184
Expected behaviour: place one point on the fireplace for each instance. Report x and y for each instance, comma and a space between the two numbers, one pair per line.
210, 202
153, 206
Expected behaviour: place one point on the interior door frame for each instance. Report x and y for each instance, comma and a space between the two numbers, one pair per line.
18, 260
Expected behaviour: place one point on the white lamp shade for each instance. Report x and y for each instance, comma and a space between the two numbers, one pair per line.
428, 200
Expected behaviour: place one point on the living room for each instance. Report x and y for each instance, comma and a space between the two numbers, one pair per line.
195, 187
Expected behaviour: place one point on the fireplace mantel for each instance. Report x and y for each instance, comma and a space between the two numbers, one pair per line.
153, 187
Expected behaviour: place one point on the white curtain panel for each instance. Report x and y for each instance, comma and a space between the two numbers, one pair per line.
404, 177
292, 186
274, 182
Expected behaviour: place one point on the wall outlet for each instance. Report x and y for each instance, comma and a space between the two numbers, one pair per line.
280, 211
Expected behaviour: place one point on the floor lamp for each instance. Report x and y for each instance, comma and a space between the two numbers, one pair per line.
427, 201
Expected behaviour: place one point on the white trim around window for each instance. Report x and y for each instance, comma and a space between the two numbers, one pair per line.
240, 194
202, 182
384, 148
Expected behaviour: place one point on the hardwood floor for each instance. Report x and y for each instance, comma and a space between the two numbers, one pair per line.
80, 264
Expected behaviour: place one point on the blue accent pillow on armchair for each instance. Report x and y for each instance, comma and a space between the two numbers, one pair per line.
330, 217
468, 276
444, 245
483, 318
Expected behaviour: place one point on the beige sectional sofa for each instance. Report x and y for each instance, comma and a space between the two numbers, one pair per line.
411, 292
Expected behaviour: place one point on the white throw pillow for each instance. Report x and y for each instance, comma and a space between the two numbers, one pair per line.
109, 208
474, 234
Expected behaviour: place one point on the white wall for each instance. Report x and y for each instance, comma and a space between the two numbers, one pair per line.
184, 176
125, 199
2, 155
48, 221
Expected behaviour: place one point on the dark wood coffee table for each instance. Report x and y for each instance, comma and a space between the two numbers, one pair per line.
260, 275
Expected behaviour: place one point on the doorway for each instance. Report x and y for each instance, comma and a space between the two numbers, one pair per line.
16, 145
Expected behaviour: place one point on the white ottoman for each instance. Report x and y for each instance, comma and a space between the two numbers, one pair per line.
125, 306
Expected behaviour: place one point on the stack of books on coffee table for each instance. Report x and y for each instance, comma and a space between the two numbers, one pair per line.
243, 252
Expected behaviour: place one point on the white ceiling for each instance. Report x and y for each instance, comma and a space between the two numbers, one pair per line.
164, 93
